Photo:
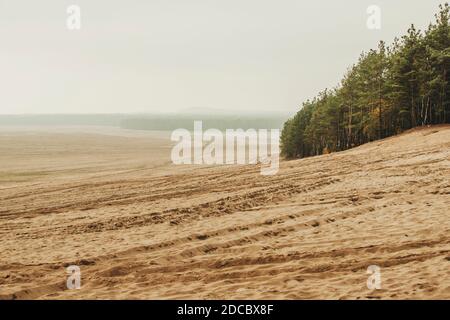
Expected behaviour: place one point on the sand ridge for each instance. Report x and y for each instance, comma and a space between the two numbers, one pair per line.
142, 228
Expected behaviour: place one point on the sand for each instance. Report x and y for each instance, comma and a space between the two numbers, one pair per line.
140, 227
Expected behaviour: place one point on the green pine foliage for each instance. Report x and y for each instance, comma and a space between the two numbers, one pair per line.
390, 89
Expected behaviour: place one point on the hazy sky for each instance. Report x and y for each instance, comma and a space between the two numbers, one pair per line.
169, 55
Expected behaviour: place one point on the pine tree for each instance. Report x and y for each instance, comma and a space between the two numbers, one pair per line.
390, 89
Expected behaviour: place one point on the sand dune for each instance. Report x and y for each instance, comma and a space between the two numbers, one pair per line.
142, 228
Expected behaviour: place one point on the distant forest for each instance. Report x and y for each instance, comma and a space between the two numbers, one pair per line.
389, 90
221, 122
159, 122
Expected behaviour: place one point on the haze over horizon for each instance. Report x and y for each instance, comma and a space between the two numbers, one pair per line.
169, 56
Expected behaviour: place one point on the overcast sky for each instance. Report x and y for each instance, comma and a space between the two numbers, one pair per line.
170, 55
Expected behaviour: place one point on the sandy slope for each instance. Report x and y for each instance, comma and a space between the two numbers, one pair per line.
141, 228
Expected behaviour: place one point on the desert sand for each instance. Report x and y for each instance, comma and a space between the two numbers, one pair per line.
139, 227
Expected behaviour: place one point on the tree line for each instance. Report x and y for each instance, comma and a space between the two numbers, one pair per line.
390, 89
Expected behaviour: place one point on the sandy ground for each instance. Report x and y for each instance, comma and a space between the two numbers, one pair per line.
142, 228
